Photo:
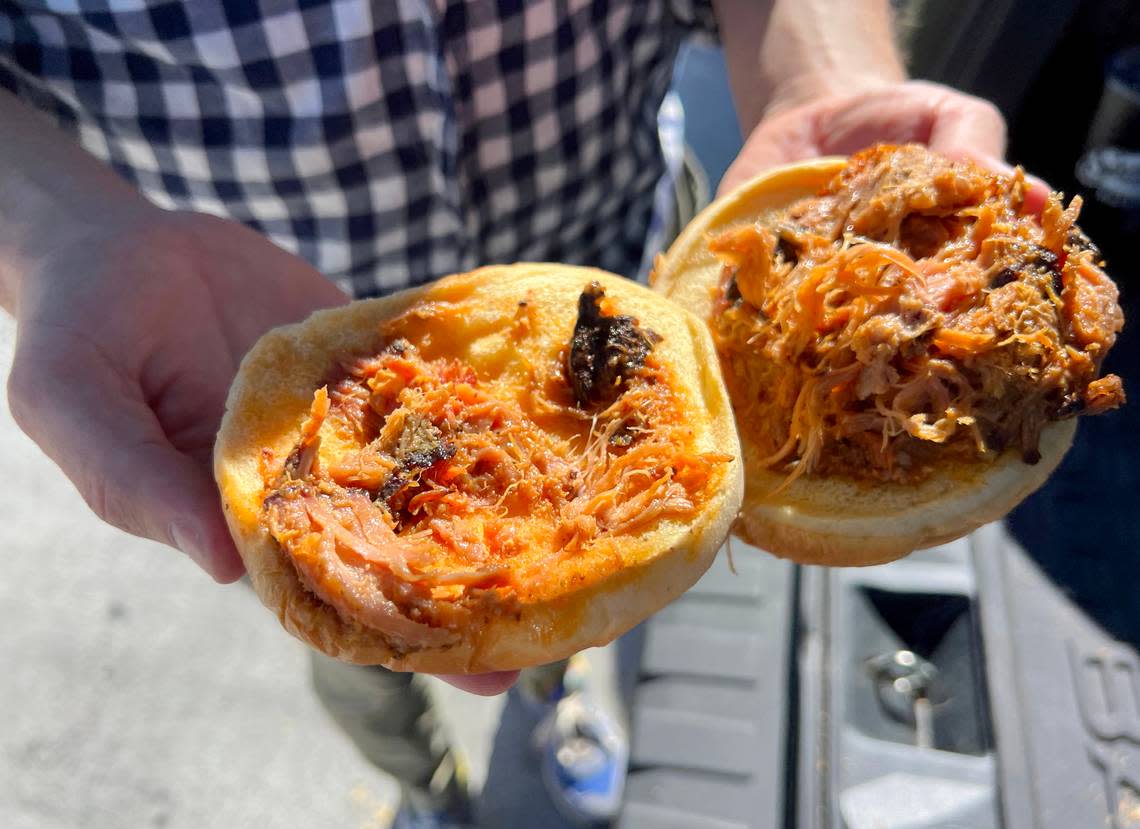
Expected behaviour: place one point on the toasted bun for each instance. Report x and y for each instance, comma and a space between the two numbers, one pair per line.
580, 603
834, 520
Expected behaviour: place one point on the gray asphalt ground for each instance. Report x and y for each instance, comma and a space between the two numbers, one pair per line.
137, 693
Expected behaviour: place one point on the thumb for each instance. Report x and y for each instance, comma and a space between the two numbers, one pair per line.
787, 137
484, 685
967, 125
95, 425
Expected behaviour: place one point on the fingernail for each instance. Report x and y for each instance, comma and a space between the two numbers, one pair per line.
188, 540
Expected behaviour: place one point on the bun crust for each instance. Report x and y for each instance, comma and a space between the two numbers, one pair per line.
835, 520
579, 604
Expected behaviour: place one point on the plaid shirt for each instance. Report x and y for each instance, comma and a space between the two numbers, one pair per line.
388, 143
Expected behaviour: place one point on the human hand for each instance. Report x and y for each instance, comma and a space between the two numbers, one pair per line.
944, 119
129, 333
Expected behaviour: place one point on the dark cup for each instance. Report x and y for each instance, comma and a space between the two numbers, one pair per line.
1109, 170
1117, 119
1110, 179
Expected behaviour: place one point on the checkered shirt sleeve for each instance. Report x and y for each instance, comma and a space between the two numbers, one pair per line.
388, 143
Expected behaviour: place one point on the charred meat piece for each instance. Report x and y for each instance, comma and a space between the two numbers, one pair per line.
1044, 259
1039, 262
1003, 277
420, 445
604, 350
1077, 241
787, 247
1046, 263
732, 292
393, 484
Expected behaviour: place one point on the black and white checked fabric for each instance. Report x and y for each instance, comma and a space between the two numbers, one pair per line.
388, 142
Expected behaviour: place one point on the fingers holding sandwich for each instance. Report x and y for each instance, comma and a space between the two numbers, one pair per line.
942, 118
94, 423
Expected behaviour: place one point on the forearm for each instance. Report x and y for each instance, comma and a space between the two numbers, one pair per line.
786, 52
51, 192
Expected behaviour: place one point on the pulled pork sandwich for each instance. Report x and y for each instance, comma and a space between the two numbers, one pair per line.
906, 346
490, 472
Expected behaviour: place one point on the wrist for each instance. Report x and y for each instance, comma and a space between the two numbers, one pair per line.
39, 219
806, 88
807, 50
52, 193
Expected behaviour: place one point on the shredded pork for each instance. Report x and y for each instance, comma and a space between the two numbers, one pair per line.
451, 477
910, 312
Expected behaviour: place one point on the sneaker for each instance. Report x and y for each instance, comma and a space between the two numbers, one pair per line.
410, 817
584, 755
445, 804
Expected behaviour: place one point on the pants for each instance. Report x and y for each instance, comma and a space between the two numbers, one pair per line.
389, 717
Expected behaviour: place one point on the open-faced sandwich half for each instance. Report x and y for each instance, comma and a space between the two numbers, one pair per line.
489, 472
906, 346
